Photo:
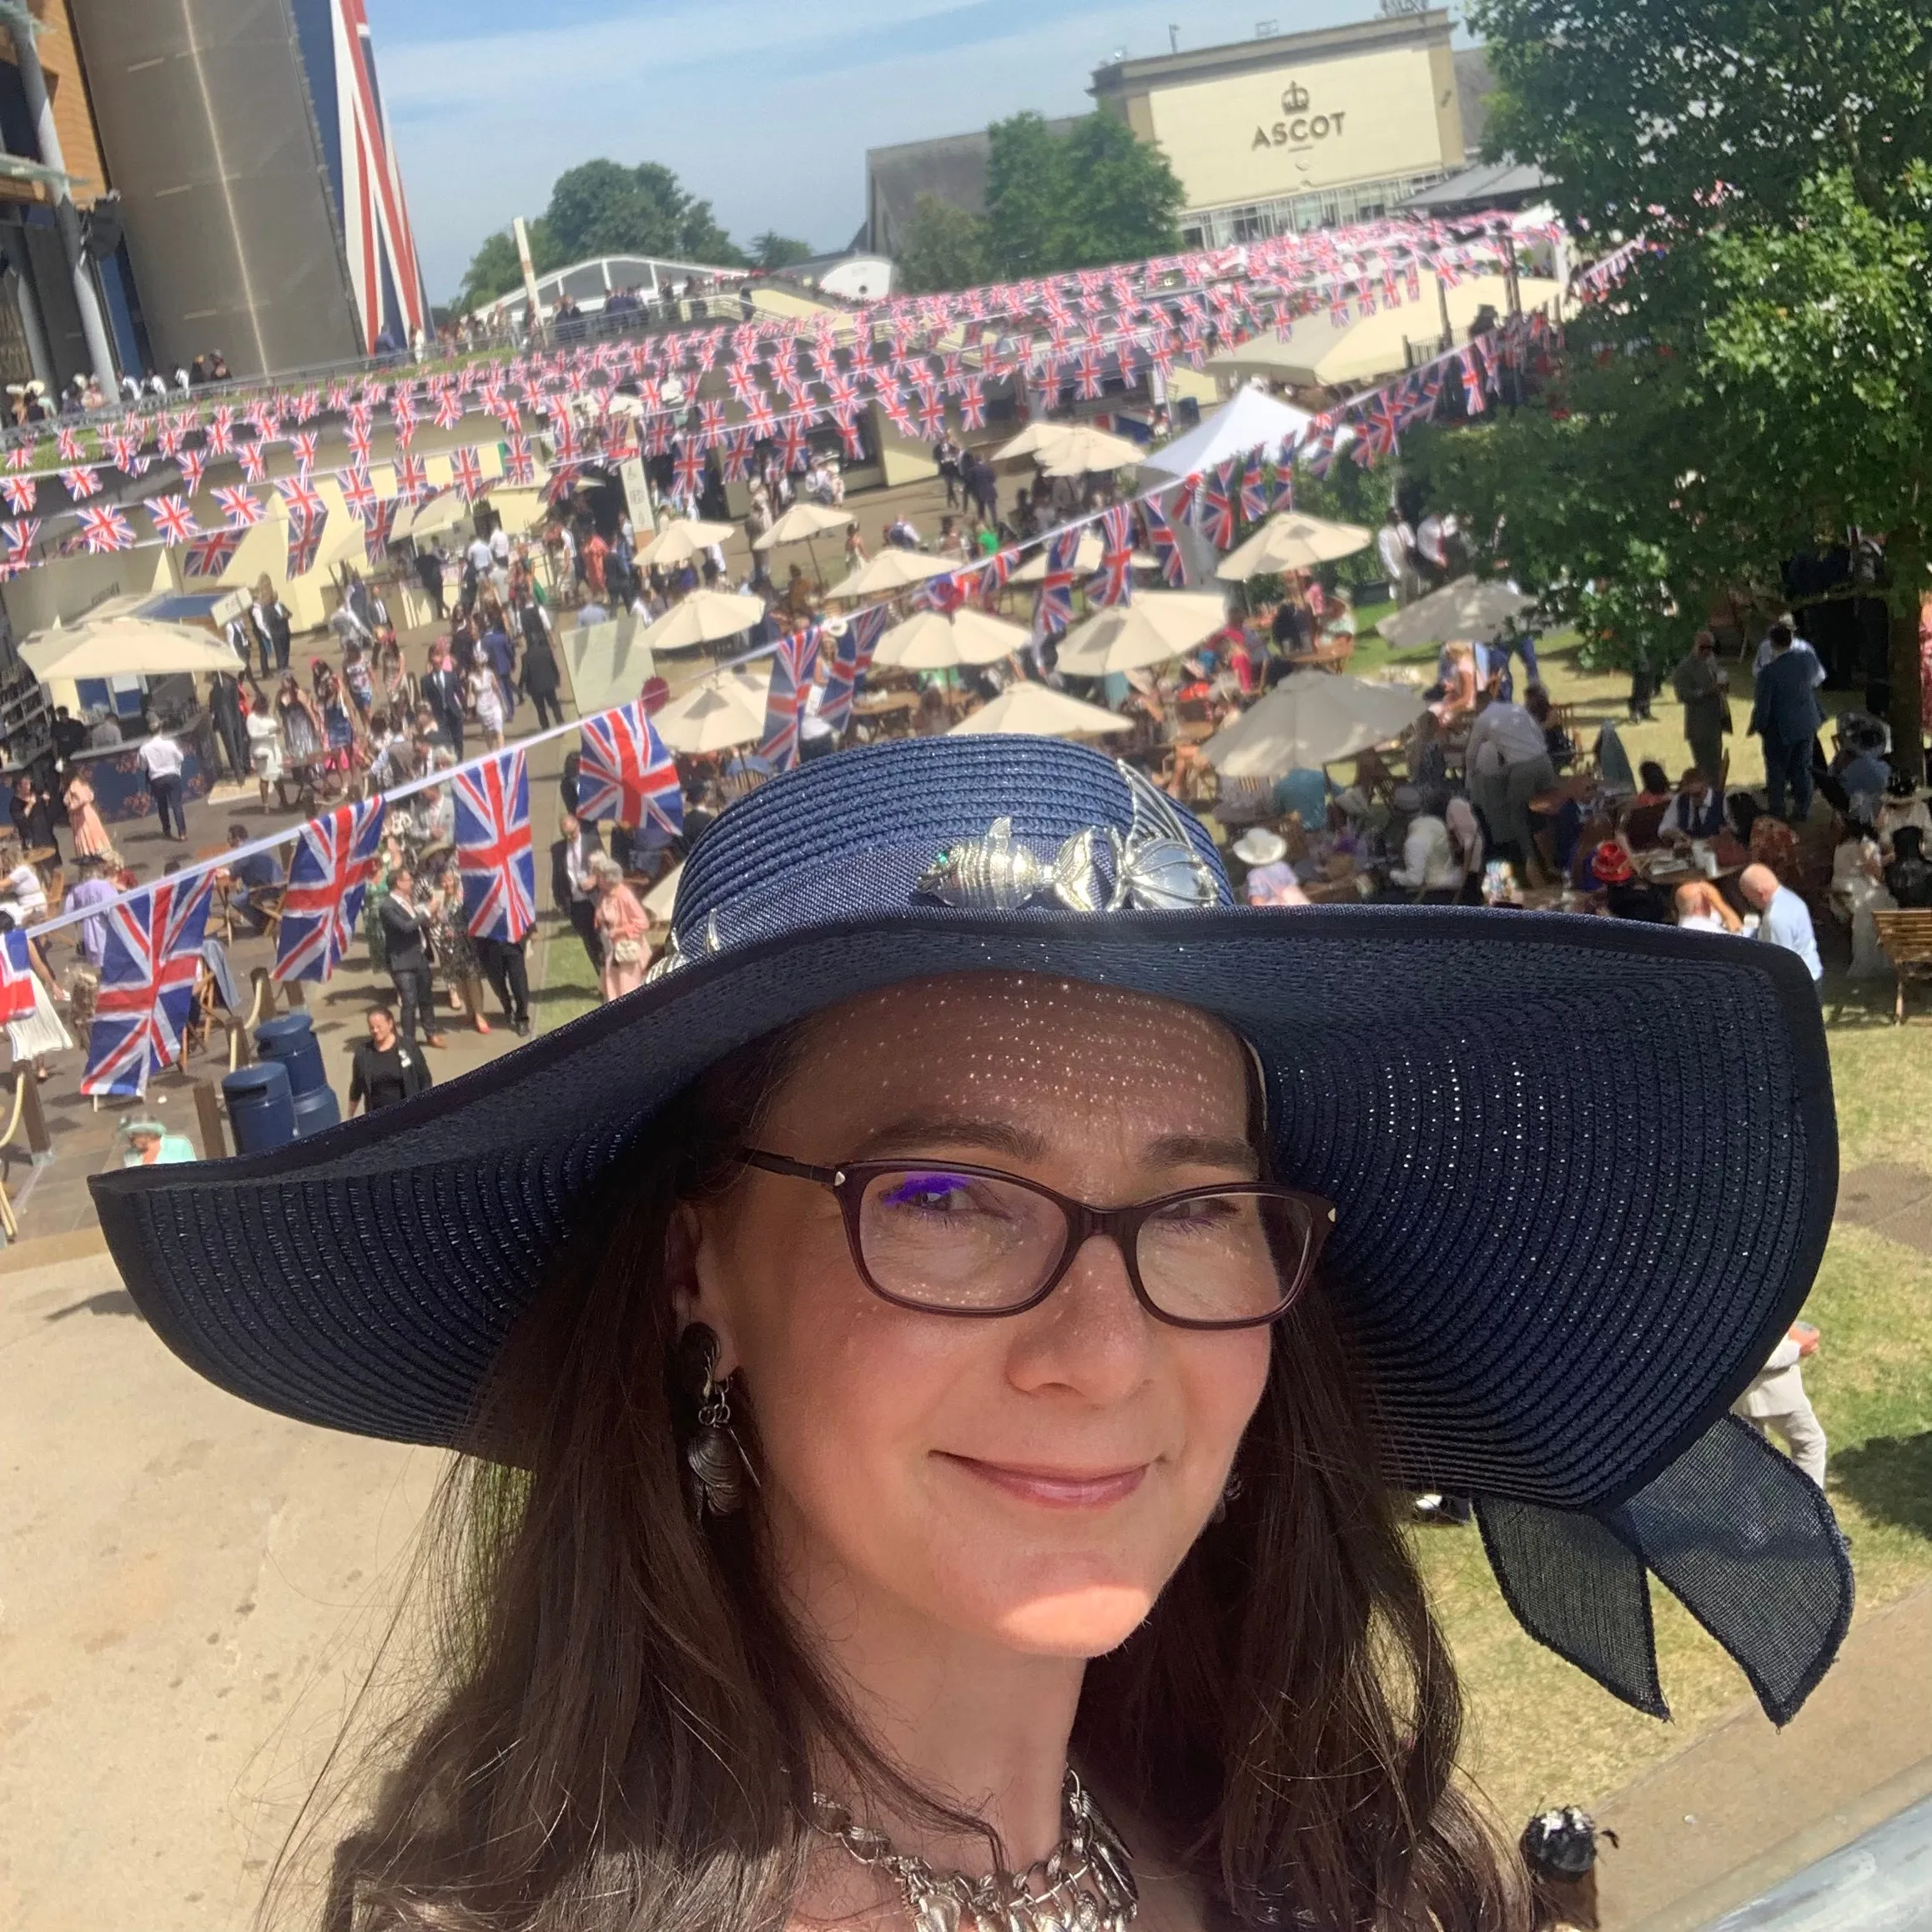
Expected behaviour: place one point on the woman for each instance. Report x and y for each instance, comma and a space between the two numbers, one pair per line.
1625, 895
485, 699
265, 737
393, 685
1458, 698
455, 951
1858, 890
304, 739
340, 729
1701, 909
541, 676
623, 927
90, 836
273, 625
793, 1598
40, 1031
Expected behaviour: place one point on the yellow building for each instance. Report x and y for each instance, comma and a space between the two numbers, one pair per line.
1291, 132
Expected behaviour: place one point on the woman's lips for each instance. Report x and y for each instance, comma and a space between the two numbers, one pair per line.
1055, 1488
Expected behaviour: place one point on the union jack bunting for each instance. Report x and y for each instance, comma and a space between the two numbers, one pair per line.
759, 421
148, 976
1214, 510
449, 409
1114, 584
624, 773
103, 528
305, 447
218, 437
793, 665
174, 522
16, 976
892, 399
932, 413
81, 483
1087, 376
305, 529
519, 464
688, 470
1284, 482
376, 532
735, 455
1054, 608
193, 465
254, 461
1164, 544
794, 444
412, 479
972, 403
335, 858
1254, 496
67, 442
1475, 390
493, 848
301, 497
359, 494
242, 507
1180, 503
849, 665
361, 443
466, 473
1385, 419
21, 538
710, 420
211, 553
23, 493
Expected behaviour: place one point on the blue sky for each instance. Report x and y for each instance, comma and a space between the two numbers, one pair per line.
765, 106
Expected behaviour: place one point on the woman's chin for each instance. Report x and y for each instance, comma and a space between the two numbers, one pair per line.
1080, 1620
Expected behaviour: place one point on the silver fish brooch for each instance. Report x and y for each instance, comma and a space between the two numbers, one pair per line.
993, 874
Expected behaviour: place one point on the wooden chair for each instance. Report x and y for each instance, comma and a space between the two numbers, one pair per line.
1906, 939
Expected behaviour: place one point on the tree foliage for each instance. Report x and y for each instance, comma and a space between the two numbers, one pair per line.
1761, 383
1080, 200
772, 250
944, 247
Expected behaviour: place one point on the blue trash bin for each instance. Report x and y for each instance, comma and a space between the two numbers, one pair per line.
260, 1107
291, 1040
315, 1110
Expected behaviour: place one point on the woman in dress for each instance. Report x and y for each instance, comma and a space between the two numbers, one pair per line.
265, 734
40, 1031
394, 686
305, 743
1858, 890
485, 700
1458, 698
340, 729
624, 928
455, 951
90, 836
939, 1371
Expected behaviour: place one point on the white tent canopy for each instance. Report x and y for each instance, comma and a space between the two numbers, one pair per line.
1308, 720
1246, 421
125, 647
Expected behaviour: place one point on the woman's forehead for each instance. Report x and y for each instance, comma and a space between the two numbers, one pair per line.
995, 1044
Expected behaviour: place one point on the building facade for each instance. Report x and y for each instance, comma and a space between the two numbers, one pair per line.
1292, 132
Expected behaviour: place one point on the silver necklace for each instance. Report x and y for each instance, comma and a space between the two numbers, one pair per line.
1084, 1884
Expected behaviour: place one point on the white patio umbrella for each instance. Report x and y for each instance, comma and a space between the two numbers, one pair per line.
1086, 560
662, 900
892, 570
1038, 438
704, 617
1087, 449
125, 647
1466, 608
1310, 720
1157, 626
801, 523
679, 542
1037, 711
725, 709
1291, 541
934, 641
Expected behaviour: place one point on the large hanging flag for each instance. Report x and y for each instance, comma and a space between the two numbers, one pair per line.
1114, 584
857, 641
494, 850
1053, 610
335, 858
148, 975
624, 773
792, 669
16, 976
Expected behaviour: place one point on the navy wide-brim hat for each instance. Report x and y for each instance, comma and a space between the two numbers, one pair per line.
1584, 1169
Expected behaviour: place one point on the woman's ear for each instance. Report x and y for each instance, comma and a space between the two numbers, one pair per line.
693, 1265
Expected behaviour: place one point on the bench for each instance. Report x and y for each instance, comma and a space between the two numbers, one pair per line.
1906, 939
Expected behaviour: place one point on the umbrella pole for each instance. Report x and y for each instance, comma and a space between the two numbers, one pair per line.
817, 568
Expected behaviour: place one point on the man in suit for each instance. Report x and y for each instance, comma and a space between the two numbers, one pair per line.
1786, 716
406, 944
571, 888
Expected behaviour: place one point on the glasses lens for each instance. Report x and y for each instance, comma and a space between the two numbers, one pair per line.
1226, 1257
957, 1241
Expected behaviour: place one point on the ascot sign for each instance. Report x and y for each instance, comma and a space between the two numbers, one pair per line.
1299, 129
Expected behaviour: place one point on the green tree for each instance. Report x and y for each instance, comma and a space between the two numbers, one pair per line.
602, 207
495, 269
772, 250
944, 247
1765, 381
1080, 200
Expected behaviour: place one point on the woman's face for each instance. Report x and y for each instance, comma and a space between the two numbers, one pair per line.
1034, 1480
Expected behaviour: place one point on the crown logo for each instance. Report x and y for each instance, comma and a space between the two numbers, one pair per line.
1294, 98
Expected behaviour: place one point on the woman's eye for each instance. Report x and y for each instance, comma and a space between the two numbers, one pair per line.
931, 1193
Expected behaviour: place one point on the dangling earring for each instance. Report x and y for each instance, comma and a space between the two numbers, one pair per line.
1230, 1494
714, 1464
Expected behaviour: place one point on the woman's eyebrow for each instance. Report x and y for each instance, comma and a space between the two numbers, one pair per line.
1203, 1150
912, 1130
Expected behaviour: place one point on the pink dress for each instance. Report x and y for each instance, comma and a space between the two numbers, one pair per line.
621, 916
90, 836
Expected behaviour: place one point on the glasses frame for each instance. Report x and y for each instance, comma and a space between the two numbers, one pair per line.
1121, 1225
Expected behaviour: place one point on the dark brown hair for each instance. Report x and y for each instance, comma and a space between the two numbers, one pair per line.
614, 1733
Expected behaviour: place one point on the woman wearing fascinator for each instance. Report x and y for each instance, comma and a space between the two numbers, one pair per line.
938, 1369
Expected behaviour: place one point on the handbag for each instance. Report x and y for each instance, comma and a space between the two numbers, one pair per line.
626, 953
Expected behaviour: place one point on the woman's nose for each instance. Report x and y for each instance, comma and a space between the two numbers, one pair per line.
1091, 1334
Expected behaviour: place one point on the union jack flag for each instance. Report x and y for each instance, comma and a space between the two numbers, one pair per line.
219, 436
148, 976
412, 479
306, 529
359, 494
1053, 609
23, 493
242, 507
305, 446
624, 772
67, 442
301, 497
1216, 513
103, 528
174, 522
972, 404
794, 444
892, 399
193, 465
21, 538
466, 473
519, 464
759, 421
1284, 481
81, 483
361, 443
737, 456
211, 553
1114, 584
1254, 495
688, 468
710, 420
1384, 419
856, 644
335, 858
16, 976
792, 669
449, 409
494, 850
1475, 390
1181, 503
377, 531
1087, 375
931, 412
254, 461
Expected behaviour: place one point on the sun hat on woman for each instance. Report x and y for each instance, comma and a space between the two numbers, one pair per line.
1544, 1312
1258, 846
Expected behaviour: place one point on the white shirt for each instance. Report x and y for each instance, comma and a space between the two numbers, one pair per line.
161, 758
479, 555
1391, 550
1765, 656
1429, 539
1503, 736
578, 854
1429, 861
29, 894
500, 544
1786, 922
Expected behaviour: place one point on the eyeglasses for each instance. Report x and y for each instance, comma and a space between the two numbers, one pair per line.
948, 1238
